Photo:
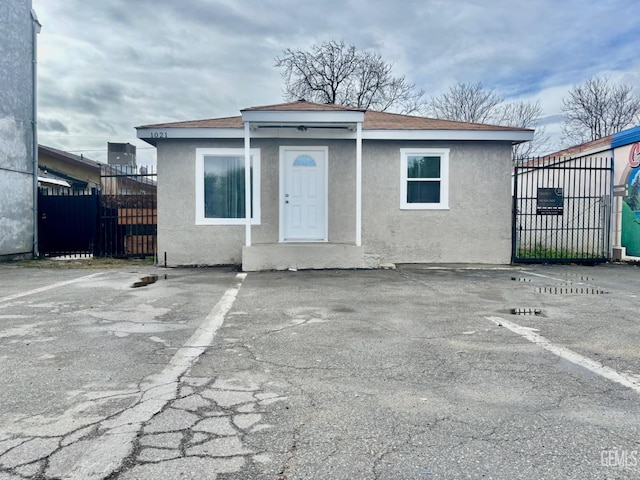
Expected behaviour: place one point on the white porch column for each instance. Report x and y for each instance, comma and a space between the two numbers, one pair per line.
247, 183
359, 184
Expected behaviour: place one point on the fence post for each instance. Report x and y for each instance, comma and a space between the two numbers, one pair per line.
514, 214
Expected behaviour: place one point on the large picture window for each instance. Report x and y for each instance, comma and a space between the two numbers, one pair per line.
424, 179
220, 186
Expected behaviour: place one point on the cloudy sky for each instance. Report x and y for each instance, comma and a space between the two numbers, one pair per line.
110, 65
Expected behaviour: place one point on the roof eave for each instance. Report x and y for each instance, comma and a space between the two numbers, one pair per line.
153, 135
626, 137
59, 155
513, 136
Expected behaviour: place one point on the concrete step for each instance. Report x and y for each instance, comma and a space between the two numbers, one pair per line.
283, 256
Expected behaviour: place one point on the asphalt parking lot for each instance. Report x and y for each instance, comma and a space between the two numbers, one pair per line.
420, 372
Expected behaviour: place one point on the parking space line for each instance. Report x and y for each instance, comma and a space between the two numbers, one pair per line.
107, 452
629, 381
48, 287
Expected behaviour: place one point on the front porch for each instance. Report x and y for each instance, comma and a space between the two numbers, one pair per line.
283, 256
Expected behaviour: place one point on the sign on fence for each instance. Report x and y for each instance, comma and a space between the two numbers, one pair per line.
550, 201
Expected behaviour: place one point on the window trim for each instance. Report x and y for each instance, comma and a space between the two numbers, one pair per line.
221, 152
443, 153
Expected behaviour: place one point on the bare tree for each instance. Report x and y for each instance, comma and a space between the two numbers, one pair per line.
466, 102
333, 72
525, 115
597, 108
471, 102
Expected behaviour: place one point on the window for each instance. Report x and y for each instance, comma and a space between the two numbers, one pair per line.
304, 161
424, 179
220, 193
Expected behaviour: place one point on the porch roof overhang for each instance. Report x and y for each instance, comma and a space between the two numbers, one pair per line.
53, 181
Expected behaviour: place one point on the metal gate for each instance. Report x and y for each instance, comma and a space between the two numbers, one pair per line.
68, 223
119, 220
562, 210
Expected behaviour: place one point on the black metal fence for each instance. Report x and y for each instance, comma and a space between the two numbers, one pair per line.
68, 222
118, 220
562, 210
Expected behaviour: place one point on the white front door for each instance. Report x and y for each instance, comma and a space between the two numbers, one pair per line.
303, 194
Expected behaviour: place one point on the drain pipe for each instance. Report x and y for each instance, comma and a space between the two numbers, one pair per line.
35, 28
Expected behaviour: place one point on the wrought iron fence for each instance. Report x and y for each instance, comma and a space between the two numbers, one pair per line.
562, 210
118, 220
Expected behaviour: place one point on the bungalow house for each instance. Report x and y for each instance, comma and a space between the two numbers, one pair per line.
332, 187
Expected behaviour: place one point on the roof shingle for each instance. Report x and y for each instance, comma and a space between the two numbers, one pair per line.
373, 120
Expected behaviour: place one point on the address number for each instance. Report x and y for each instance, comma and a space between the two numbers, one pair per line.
159, 135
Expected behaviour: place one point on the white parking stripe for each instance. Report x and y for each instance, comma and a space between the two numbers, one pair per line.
48, 287
105, 453
629, 381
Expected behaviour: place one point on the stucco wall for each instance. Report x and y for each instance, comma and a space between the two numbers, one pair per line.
186, 243
16, 94
476, 228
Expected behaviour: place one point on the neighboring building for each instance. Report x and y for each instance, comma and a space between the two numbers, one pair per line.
127, 180
80, 173
64, 172
18, 129
332, 186
624, 148
121, 154
562, 209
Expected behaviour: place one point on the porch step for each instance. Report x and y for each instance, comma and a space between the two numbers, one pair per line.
282, 256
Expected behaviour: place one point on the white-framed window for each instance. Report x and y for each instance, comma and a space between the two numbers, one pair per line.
220, 192
424, 178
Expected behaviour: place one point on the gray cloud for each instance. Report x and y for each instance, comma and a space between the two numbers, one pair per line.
107, 66
52, 125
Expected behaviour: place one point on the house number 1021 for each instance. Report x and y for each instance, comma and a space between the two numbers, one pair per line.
158, 135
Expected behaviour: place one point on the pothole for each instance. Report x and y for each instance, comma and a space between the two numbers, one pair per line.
520, 279
148, 280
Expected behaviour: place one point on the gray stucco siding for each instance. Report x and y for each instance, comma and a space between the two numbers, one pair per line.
16, 217
16, 128
475, 228
184, 242
189, 244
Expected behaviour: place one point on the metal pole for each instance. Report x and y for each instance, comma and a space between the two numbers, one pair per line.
359, 184
247, 183
35, 29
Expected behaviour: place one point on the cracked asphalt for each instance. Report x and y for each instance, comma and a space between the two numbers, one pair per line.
406, 374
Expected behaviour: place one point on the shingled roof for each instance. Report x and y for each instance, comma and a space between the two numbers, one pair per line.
68, 157
373, 120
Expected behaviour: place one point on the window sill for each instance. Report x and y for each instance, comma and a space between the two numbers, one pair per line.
225, 221
424, 207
